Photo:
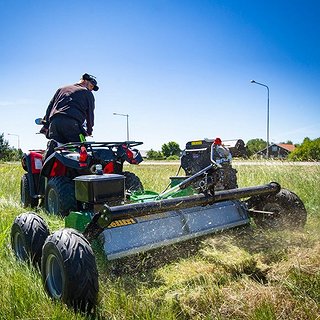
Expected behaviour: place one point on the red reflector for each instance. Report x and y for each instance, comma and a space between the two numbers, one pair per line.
83, 156
58, 169
109, 168
36, 161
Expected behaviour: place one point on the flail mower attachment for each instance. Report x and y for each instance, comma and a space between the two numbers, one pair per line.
165, 218
133, 228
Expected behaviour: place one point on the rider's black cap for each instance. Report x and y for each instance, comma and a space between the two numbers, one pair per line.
92, 79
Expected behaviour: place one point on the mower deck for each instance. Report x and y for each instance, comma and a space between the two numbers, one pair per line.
153, 231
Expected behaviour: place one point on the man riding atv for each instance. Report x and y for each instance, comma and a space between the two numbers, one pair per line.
50, 174
69, 109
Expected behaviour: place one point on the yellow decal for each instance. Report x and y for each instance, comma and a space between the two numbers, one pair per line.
196, 143
120, 223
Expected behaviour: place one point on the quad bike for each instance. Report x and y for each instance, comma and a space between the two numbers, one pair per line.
50, 173
190, 208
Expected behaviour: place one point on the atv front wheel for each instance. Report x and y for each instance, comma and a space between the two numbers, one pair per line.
26, 199
69, 270
132, 182
28, 234
282, 210
60, 196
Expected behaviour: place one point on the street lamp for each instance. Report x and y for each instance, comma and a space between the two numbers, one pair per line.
16, 135
261, 84
124, 115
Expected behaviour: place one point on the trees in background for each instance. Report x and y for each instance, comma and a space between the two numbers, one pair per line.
309, 150
169, 151
8, 153
288, 142
4, 146
155, 155
255, 145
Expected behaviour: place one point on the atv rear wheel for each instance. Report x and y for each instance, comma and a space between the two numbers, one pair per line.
286, 210
60, 196
132, 182
25, 197
28, 234
69, 270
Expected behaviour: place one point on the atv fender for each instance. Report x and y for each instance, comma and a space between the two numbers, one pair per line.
64, 162
33, 178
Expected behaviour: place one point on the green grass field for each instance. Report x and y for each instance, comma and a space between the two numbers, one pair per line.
238, 274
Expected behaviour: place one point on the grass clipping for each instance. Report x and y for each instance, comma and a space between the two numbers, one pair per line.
227, 280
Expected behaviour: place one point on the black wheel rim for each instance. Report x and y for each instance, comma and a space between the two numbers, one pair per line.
19, 247
54, 277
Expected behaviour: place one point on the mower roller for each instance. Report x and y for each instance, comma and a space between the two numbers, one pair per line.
203, 202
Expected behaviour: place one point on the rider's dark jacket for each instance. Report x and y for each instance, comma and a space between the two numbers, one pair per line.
73, 101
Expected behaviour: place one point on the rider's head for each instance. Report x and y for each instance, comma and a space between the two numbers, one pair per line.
89, 82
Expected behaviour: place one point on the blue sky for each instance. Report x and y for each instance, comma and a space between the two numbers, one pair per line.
181, 69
